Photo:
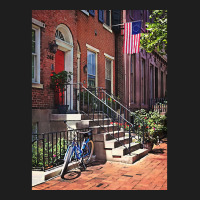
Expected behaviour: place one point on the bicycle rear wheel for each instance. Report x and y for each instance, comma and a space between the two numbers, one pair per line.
88, 151
67, 161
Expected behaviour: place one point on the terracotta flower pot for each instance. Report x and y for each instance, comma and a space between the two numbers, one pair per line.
148, 146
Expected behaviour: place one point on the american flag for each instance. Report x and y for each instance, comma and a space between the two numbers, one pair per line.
132, 37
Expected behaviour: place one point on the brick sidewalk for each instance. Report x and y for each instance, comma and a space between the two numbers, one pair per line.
149, 173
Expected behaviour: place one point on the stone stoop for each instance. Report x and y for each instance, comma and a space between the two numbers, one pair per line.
106, 145
121, 153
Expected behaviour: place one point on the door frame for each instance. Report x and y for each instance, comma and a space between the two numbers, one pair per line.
67, 47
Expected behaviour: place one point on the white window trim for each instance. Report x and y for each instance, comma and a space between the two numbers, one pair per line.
106, 26
37, 48
85, 12
94, 50
111, 58
108, 56
91, 48
38, 23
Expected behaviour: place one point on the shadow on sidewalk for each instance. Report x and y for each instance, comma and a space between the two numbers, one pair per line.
75, 173
72, 174
157, 151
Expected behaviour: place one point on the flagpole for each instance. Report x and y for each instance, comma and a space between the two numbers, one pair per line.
127, 22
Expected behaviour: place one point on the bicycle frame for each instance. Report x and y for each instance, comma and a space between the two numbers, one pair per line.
77, 149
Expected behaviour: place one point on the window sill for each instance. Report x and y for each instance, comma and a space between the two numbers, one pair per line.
37, 85
85, 12
107, 27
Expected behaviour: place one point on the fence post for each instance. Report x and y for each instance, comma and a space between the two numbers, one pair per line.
43, 153
143, 136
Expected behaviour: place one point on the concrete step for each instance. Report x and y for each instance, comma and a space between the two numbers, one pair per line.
89, 123
90, 116
106, 128
122, 150
134, 156
114, 143
98, 122
112, 135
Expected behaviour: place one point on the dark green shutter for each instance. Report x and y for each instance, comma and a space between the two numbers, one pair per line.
101, 16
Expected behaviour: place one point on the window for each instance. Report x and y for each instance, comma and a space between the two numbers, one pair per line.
162, 89
143, 82
35, 54
59, 35
151, 82
91, 68
107, 20
142, 13
108, 75
108, 17
156, 82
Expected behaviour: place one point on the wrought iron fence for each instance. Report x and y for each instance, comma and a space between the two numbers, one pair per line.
158, 104
48, 149
98, 105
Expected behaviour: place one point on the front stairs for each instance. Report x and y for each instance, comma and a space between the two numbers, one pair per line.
106, 144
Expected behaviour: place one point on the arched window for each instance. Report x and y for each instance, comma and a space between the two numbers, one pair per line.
63, 34
59, 35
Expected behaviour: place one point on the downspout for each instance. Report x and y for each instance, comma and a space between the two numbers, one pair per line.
125, 92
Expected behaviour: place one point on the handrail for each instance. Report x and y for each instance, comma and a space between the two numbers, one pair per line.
102, 105
132, 113
106, 104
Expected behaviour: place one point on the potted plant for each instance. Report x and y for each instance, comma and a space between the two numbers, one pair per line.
152, 124
58, 83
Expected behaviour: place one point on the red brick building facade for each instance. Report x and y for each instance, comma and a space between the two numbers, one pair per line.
92, 49
141, 76
85, 40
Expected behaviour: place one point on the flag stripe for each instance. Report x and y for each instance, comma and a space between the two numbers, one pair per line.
131, 41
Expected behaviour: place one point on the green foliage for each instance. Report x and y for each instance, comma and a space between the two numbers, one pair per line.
87, 96
156, 37
153, 124
37, 153
60, 79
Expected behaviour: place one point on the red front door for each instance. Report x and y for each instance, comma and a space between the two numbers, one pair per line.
59, 66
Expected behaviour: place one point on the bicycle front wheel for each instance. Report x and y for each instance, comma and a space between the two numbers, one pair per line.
67, 161
88, 151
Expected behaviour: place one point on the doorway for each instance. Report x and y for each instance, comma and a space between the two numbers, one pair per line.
59, 66
64, 58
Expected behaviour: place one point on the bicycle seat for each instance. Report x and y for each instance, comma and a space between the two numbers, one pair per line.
86, 133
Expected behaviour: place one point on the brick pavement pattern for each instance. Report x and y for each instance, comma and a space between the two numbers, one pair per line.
149, 173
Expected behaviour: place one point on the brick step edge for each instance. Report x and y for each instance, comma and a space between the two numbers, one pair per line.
123, 150
114, 143
134, 156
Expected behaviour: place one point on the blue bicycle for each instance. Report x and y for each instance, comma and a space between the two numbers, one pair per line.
83, 154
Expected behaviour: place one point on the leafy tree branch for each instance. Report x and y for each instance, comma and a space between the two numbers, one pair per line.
156, 36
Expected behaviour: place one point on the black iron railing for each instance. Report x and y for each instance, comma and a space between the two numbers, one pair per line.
48, 149
98, 105
158, 104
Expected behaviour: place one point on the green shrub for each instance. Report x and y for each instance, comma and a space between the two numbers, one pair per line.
153, 124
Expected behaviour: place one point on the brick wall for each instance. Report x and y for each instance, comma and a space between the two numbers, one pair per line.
104, 41
82, 28
44, 98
